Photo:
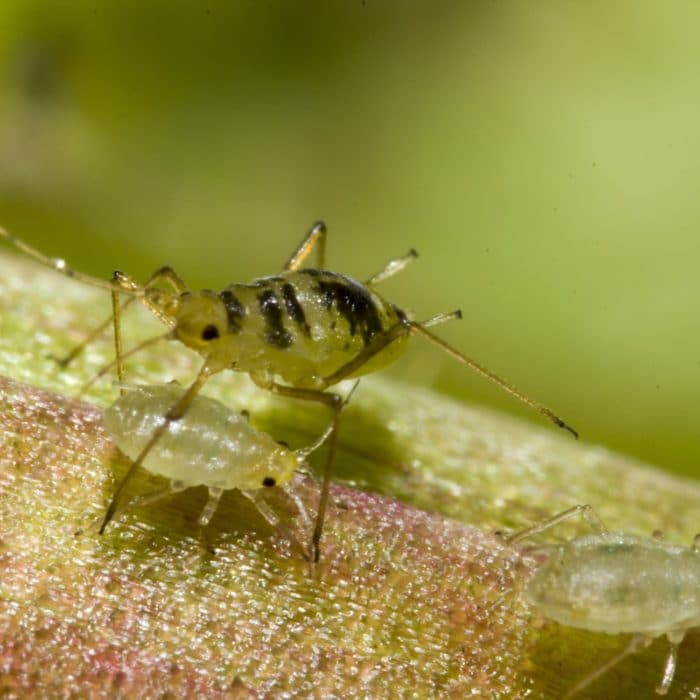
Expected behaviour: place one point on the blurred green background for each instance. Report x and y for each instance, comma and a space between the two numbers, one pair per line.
544, 159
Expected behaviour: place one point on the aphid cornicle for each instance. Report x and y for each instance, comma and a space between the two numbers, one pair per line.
296, 334
211, 446
618, 583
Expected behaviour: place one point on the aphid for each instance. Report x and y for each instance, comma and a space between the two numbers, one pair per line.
211, 446
618, 583
295, 334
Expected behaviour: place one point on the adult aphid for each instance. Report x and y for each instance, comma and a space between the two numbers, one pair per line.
210, 446
618, 583
296, 334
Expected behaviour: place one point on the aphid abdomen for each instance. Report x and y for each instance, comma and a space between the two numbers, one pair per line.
618, 583
210, 445
304, 325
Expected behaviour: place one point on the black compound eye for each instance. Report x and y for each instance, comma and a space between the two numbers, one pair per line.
269, 481
210, 332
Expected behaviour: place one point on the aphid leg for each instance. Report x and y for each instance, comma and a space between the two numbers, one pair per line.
117, 325
273, 519
316, 237
95, 333
376, 345
335, 403
152, 497
408, 327
696, 544
301, 508
175, 412
674, 640
392, 267
210, 507
325, 487
110, 365
331, 435
420, 329
636, 643
122, 283
585, 510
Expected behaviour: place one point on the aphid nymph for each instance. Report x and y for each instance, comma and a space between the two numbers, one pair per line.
296, 334
618, 583
211, 446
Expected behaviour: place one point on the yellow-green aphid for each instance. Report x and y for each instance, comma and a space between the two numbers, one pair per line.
211, 446
618, 583
296, 334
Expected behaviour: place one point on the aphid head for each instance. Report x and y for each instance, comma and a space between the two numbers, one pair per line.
200, 320
279, 468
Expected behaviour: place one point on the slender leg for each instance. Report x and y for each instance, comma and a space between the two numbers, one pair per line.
319, 395
166, 274
132, 351
151, 497
274, 520
419, 329
585, 510
392, 267
375, 346
122, 283
401, 328
325, 491
406, 327
210, 507
636, 643
117, 318
299, 504
315, 237
174, 413
335, 403
674, 639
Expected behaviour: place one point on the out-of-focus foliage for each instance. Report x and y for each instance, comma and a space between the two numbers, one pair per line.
542, 157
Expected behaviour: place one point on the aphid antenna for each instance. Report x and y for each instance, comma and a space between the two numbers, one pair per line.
584, 510
125, 386
422, 329
60, 265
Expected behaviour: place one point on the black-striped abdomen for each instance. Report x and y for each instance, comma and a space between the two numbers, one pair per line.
304, 325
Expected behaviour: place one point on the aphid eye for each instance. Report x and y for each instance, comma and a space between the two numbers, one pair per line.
283, 443
210, 332
269, 481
